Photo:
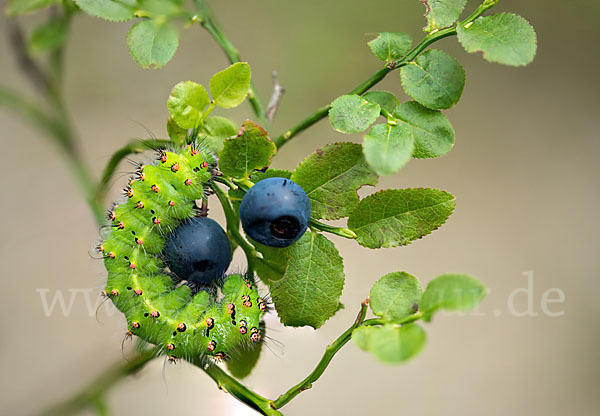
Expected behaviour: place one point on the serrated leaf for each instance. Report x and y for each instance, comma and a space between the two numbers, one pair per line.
14, 7
387, 148
504, 38
258, 176
230, 86
331, 176
243, 361
391, 343
250, 151
186, 103
177, 134
112, 10
386, 100
455, 292
396, 217
435, 79
388, 46
48, 36
395, 296
312, 278
432, 131
215, 130
442, 13
151, 43
352, 113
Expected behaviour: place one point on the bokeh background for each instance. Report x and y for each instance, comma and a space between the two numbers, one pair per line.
524, 170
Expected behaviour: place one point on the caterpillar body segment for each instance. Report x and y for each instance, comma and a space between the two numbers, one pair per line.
183, 323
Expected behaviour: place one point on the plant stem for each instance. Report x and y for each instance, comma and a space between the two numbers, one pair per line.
93, 394
57, 127
209, 23
342, 232
330, 352
230, 385
233, 227
374, 79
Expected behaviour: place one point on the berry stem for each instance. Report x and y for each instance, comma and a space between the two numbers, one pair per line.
233, 228
342, 232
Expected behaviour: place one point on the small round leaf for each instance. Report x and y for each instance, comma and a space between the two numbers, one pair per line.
455, 292
151, 43
387, 148
435, 79
395, 296
352, 113
230, 86
186, 103
391, 343
433, 133
505, 38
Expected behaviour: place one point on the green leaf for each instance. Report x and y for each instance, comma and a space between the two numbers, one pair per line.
388, 46
311, 280
242, 362
14, 7
160, 8
230, 86
48, 36
113, 10
386, 100
258, 176
455, 292
177, 134
395, 296
251, 150
151, 43
215, 130
390, 343
331, 176
186, 103
442, 13
432, 131
352, 113
435, 79
387, 148
504, 38
396, 217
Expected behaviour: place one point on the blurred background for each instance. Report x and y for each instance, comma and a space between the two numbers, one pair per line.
524, 171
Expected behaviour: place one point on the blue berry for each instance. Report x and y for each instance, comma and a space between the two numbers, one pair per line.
198, 250
275, 212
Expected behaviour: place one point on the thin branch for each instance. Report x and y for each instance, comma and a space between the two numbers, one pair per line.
209, 23
233, 228
93, 394
276, 97
230, 385
330, 352
31, 69
31, 111
369, 83
342, 232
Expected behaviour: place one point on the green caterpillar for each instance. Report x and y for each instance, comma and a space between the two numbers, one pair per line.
183, 323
